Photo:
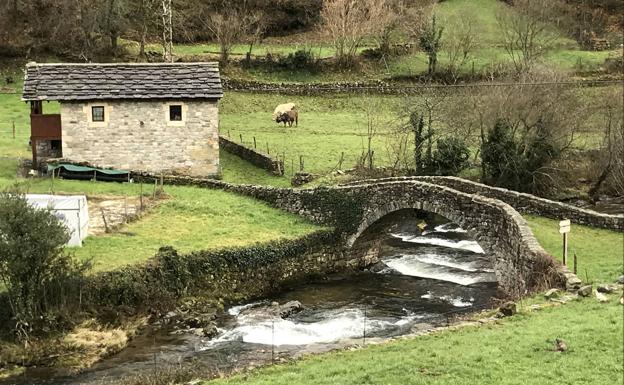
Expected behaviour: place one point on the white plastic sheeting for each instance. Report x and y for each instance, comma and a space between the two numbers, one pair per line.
72, 210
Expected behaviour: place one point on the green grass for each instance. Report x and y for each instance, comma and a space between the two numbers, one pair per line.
328, 126
600, 253
238, 170
513, 351
193, 219
516, 351
190, 219
565, 54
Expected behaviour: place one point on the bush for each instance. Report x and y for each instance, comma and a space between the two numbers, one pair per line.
515, 163
42, 281
450, 157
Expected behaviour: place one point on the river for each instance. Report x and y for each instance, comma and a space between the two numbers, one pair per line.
431, 272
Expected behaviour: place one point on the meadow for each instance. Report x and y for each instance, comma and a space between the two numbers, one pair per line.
487, 55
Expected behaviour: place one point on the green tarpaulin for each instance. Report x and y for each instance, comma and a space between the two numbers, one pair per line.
74, 168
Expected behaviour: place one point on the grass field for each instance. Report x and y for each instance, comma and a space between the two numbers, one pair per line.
190, 219
513, 351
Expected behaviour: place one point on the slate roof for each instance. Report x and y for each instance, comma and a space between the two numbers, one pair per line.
94, 81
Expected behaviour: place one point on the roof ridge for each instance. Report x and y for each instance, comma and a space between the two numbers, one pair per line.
163, 64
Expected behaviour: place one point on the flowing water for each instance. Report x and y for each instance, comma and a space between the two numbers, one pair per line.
426, 277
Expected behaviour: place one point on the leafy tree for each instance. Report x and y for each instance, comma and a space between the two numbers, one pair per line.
38, 274
450, 157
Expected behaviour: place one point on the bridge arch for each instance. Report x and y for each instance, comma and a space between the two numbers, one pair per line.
382, 211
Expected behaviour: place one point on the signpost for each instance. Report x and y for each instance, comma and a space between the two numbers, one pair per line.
564, 228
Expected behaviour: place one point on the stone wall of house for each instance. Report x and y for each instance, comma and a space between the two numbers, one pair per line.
45, 150
137, 135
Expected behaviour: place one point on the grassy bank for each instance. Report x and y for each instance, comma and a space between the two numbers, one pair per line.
189, 219
516, 350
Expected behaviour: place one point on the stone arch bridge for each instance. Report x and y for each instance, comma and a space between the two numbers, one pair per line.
521, 264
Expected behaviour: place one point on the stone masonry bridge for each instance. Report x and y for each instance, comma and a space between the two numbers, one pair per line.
521, 264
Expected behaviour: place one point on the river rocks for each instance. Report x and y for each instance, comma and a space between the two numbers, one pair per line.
210, 331
290, 308
200, 321
585, 291
507, 309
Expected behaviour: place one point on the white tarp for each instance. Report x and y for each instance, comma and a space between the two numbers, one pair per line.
72, 210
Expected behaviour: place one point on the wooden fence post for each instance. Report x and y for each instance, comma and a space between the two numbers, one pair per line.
241, 138
14, 129
254, 138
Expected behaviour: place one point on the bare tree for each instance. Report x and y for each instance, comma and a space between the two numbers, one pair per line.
526, 32
609, 164
347, 22
414, 16
167, 40
459, 42
145, 15
232, 25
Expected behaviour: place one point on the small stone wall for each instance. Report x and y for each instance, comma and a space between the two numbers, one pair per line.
258, 159
228, 275
377, 87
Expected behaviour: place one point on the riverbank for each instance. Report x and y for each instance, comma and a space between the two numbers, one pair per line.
503, 352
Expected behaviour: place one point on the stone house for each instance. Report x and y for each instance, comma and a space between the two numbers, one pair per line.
150, 117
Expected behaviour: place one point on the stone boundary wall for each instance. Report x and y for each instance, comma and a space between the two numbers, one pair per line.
258, 159
378, 87
523, 202
228, 275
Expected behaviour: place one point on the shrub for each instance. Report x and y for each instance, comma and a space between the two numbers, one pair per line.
41, 279
450, 157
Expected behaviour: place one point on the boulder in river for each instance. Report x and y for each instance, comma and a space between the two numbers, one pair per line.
290, 308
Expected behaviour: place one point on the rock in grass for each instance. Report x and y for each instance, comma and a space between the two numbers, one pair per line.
620, 280
560, 345
508, 309
585, 291
606, 288
601, 297
552, 293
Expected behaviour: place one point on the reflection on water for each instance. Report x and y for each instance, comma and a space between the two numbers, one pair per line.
428, 272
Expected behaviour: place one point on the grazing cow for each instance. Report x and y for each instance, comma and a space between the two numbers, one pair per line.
282, 108
289, 117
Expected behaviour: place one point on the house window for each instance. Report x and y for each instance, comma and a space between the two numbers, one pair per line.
55, 145
97, 113
175, 113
